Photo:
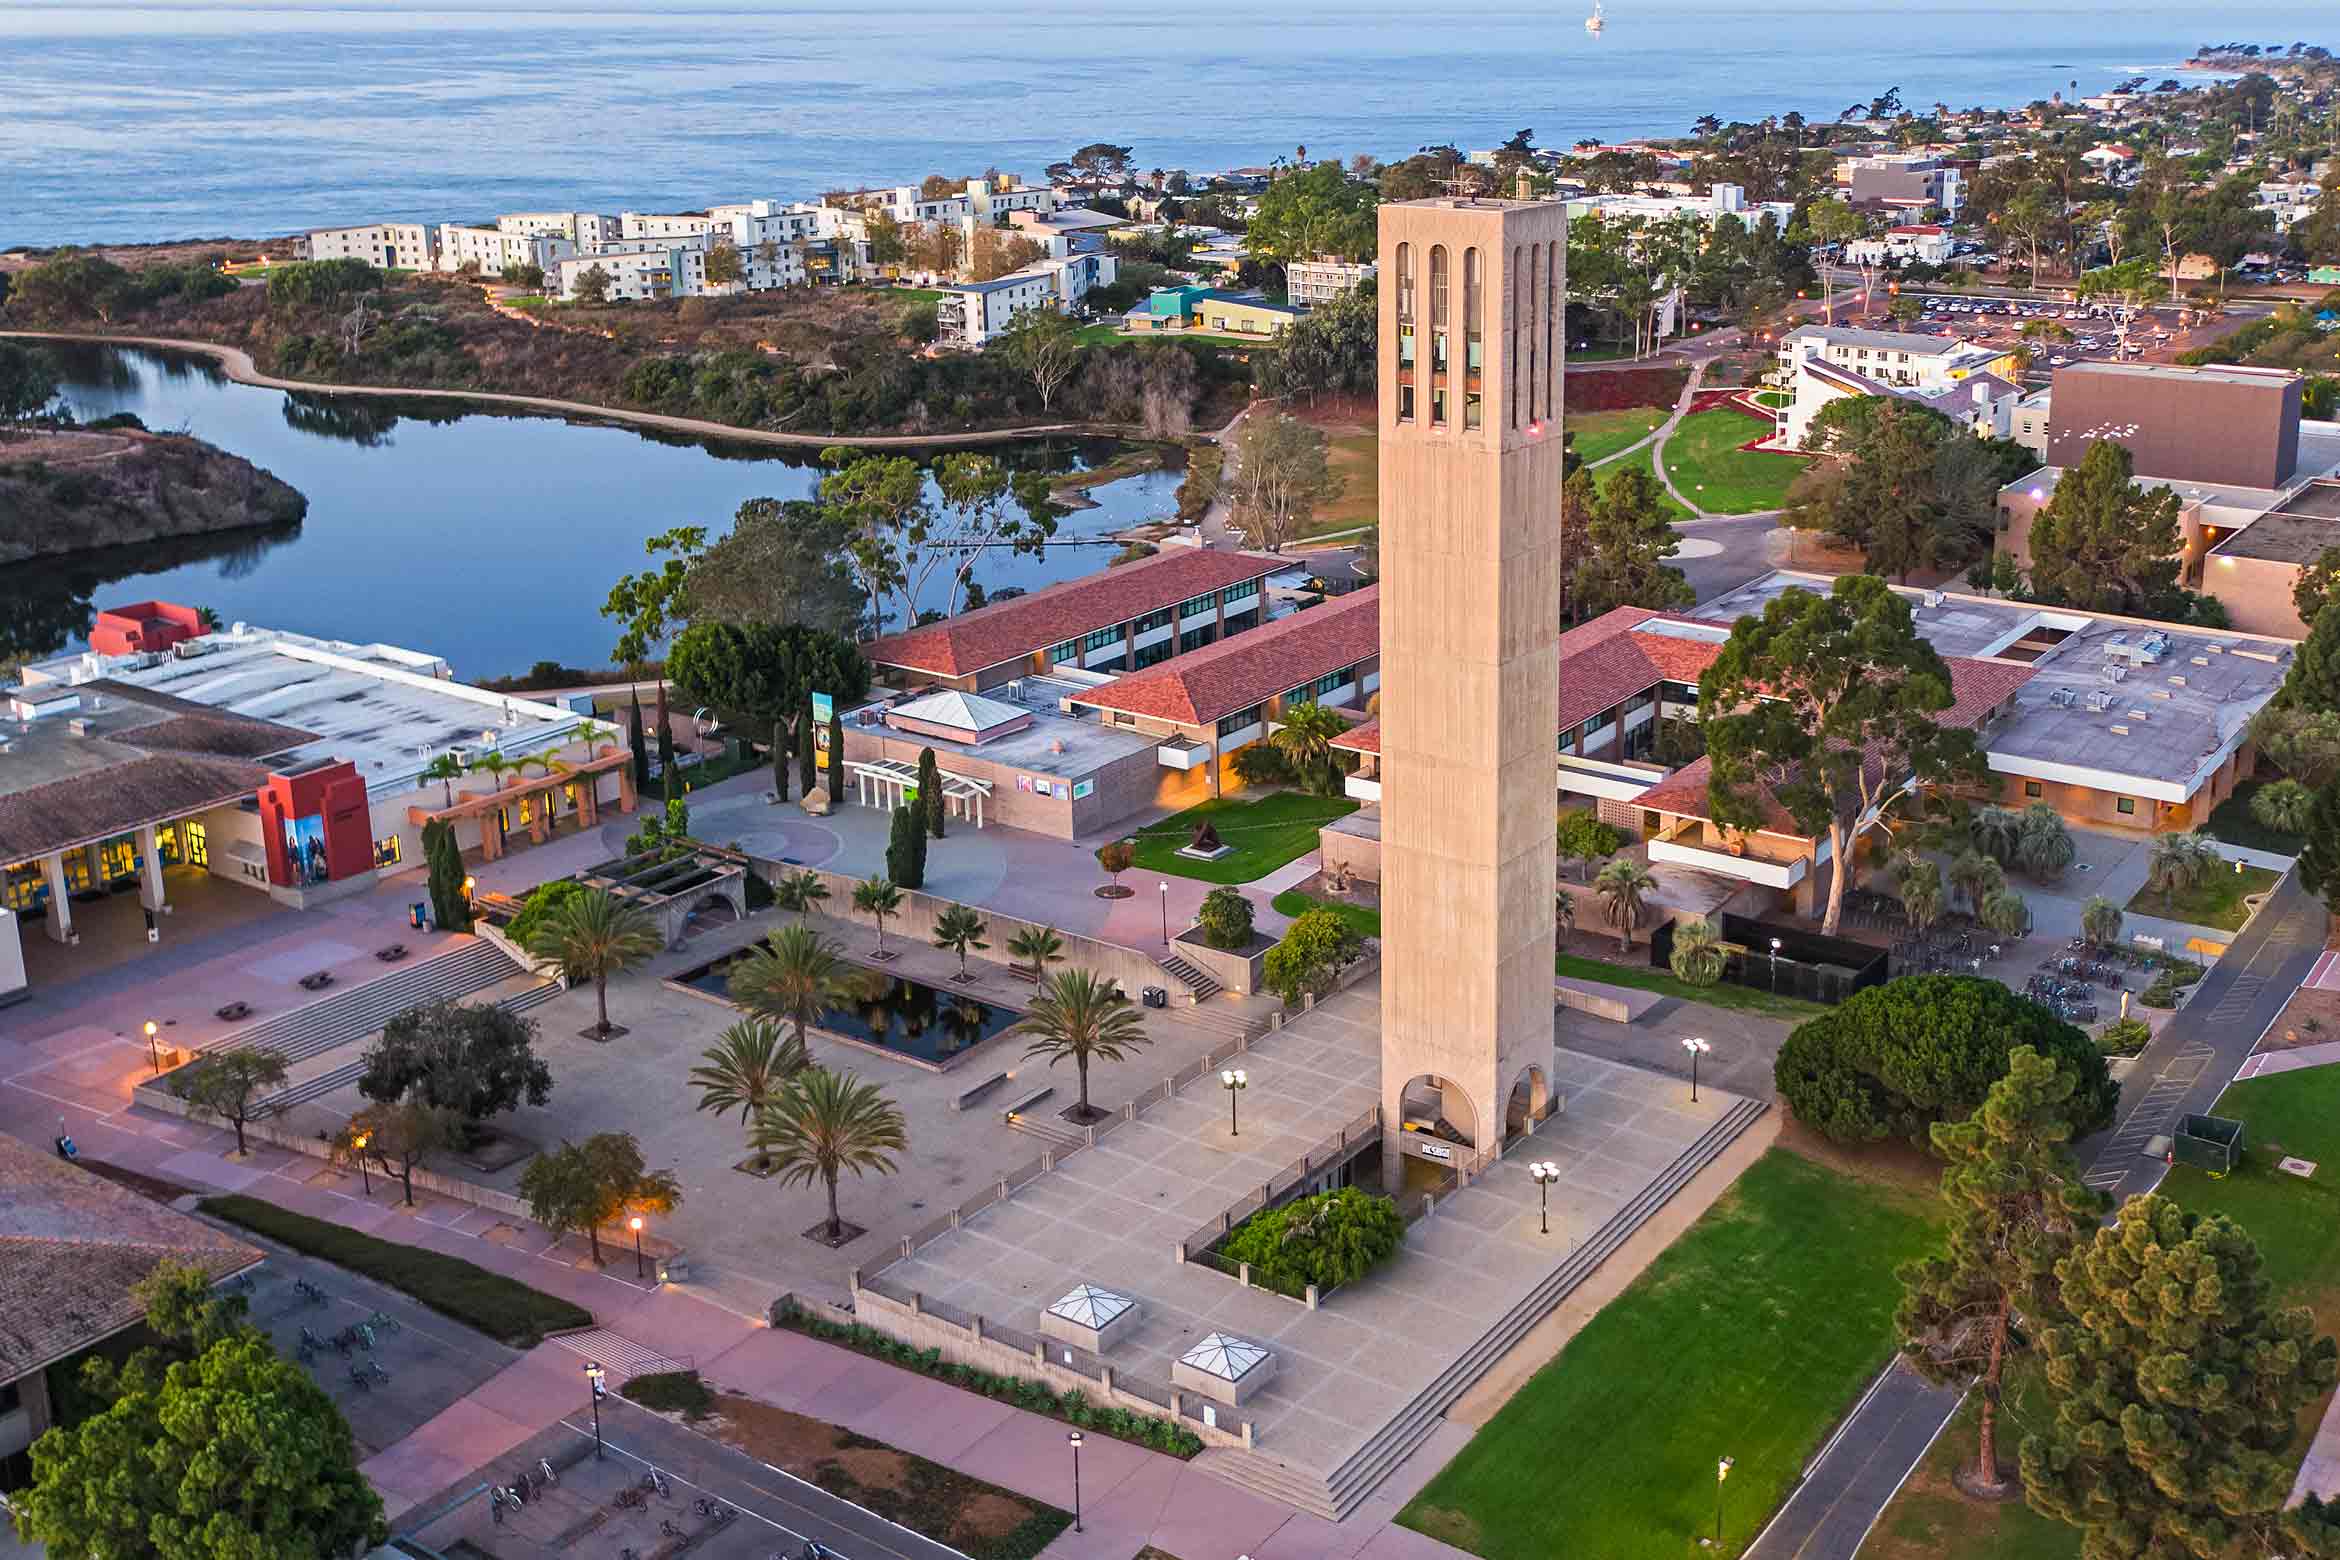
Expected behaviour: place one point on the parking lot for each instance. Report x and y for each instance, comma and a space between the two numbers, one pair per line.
2094, 328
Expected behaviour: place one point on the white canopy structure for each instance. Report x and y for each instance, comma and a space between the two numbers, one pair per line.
887, 783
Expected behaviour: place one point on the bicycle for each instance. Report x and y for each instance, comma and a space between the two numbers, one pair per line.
360, 1380
307, 1352
313, 1293
668, 1529
544, 1466
720, 1515
373, 1369
385, 1322
496, 1498
654, 1480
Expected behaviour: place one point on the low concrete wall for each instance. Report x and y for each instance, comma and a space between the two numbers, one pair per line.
1610, 1008
1239, 970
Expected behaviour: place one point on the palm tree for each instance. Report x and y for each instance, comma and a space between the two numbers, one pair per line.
791, 976
2004, 912
801, 892
1922, 896
1997, 831
823, 1123
1624, 886
1038, 947
2284, 806
746, 1067
2178, 862
1564, 915
1698, 955
1083, 1015
1977, 877
593, 936
2100, 921
2045, 847
494, 765
877, 898
959, 928
446, 769
1305, 739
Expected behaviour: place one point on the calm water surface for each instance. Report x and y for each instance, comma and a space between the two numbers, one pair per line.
489, 540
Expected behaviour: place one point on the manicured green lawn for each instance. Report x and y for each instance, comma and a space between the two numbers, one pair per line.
1265, 833
1639, 460
2215, 901
1706, 463
1722, 994
1292, 902
1771, 398
1748, 1338
503, 1308
2233, 823
1600, 435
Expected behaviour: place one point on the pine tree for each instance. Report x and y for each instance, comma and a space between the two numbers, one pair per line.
2178, 1386
2319, 859
808, 771
930, 791
2313, 684
2102, 541
2017, 1207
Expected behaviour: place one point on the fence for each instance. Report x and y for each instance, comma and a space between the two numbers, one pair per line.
1201, 1248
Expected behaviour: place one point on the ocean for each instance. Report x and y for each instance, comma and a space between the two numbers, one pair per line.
131, 122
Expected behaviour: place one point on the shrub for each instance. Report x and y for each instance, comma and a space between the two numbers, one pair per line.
1330, 1239
2124, 1037
1316, 947
671, 1392
1896, 1058
543, 900
1263, 763
1226, 919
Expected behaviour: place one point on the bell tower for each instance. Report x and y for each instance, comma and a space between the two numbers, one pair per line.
1472, 340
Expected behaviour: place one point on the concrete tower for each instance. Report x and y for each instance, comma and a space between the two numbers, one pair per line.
1472, 338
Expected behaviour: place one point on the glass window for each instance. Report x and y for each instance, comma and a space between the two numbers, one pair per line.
2031, 789
1199, 604
1070, 650
2125, 805
1230, 724
1196, 638
388, 852
1103, 637
198, 845
1159, 618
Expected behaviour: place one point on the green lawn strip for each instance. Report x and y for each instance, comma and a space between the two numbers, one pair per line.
1600, 435
1722, 994
1749, 1337
1640, 461
1705, 461
2215, 901
2232, 822
503, 1308
1264, 833
1292, 902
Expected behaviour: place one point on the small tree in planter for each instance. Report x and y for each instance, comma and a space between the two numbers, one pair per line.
1315, 948
1225, 918
1115, 856
960, 928
1037, 947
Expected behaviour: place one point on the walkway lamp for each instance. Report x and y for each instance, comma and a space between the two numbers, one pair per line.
1775, 947
1545, 1173
1722, 1471
594, 1375
1697, 1048
636, 1224
1234, 1080
357, 1146
1165, 912
153, 1051
1072, 1438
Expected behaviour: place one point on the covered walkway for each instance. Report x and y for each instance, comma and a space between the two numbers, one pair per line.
888, 783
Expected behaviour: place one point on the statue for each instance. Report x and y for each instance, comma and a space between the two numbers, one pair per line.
1205, 838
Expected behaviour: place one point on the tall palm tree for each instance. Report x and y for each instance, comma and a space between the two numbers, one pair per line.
1698, 955
1976, 876
2177, 862
2045, 845
824, 1123
959, 928
877, 898
1083, 1015
2100, 921
494, 765
802, 892
1305, 739
1038, 947
446, 769
593, 936
1624, 886
747, 1067
790, 977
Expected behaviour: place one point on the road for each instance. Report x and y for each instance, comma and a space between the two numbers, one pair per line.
2184, 1070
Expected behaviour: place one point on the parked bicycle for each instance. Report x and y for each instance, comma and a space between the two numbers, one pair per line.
544, 1466
360, 1380
383, 1321
667, 1528
313, 1293
654, 1480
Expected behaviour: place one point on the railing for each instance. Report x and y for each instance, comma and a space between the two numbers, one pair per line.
1333, 1151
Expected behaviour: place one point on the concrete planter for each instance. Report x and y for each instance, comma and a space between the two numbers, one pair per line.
1239, 970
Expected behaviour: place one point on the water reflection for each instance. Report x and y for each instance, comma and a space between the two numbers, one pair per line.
47, 604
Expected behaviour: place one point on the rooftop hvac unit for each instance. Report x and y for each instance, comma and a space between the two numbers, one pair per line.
2063, 698
2120, 730
189, 649
1933, 598
2100, 701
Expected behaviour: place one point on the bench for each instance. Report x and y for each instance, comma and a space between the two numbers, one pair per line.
967, 1097
1025, 1104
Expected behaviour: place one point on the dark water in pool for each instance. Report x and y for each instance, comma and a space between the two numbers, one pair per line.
892, 1011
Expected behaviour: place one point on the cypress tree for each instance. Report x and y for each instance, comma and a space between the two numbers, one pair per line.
836, 755
665, 743
930, 791
641, 749
780, 761
808, 773
2319, 860
918, 849
902, 846
448, 906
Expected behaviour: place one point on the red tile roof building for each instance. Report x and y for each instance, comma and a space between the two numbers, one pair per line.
1208, 685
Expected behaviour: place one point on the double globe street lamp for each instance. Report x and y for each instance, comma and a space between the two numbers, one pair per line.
1545, 1173
1234, 1080
1697, 1048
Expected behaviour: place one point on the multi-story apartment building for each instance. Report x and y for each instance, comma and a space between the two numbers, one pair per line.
1906, 180
1321, 280
1976, 386
637, 270
588, 230
681, 224
402, 246
1723, 200
492, 249
1926, 243
972, 313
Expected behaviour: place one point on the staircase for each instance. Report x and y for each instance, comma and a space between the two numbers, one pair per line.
362, 1009
1334, 1495
1194, 980
321, 1084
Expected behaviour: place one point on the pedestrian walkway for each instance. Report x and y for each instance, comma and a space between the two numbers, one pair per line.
2267, 1063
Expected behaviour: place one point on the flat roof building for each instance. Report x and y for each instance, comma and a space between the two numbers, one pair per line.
2212, 424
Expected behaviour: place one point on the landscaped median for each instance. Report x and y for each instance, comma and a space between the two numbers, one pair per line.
503, 1308
1748, 1338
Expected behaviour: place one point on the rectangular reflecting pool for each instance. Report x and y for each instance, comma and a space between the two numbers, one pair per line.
894, 1013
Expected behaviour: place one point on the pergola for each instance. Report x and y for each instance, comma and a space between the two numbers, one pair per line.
488, 807
885, 782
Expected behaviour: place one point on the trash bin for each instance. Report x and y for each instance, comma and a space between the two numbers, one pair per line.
1155, 997
414, 914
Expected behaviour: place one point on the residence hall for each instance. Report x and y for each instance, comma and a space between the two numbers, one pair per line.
2258, 485
289, 765
1973, 386
1073, 753
2119, 723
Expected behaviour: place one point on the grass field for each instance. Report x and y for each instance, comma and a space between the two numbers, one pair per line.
1600, 435
1705, 461
1639, 461
1748, 1338
1356, 459
1723, 994
1265, 833
2215, 901
1292, 902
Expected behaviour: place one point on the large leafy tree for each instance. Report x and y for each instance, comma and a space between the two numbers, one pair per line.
782, 561
2312, 591
1043, 345
594, 936
2319, 858
1627, 539
579, 1187
2178, 1384
903, 534
2312, 686
1332, 1238
231, 1085
475, 1059
399, 1136
1305, 738
1831, 705
235, 1454
1281, 475
1908, 487
2017, 1208
1894, 1059
765, 676
825, 1123
1313, 951
2102, 541
1319, 210
1082, 1017
28, 382
1329, 352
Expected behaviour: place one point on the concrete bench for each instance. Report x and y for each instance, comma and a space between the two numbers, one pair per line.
967, 1097
1026, 1103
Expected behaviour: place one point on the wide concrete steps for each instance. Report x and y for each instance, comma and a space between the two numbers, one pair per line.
1195, 980
531, 992
1333, 1496
360, 1010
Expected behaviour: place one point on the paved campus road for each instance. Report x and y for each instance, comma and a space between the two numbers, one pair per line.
2185, 1069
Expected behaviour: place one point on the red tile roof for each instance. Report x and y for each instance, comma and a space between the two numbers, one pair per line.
1613, 657
1365, 738
964, 645
1200, 687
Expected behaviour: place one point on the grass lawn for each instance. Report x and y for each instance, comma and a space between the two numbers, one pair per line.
1771, 398
916, 294
2233, 823
1600, 435
1356, 459
2215, 901
1722, 994
1639, 461
503, 1308
1265, 833
1706, 463
1749, 1337
1102, 334
1929, 1518
1292, 902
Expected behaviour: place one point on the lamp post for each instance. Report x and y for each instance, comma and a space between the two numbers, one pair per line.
1234, 1080
1072, 1439
153, 1052
1165, 912
1775, 946
635, 1223
593, 1374
357, 1146
1722, 1471
1697, 1048
1545, 1173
